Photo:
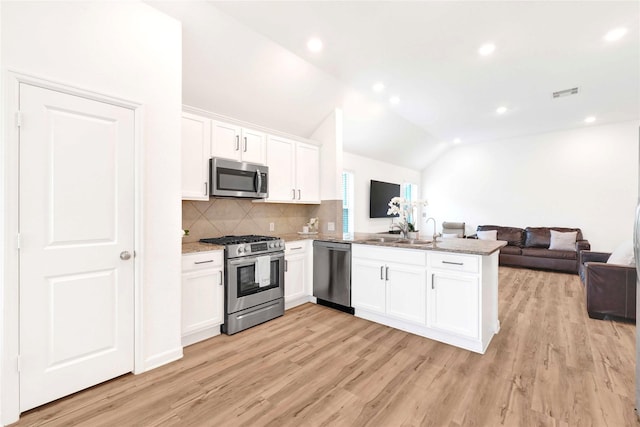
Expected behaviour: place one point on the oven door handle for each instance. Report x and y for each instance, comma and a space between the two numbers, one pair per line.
248, 260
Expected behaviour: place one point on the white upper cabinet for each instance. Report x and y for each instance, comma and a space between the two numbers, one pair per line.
237, 143
308, 172
294, 171
196, 151
281, 159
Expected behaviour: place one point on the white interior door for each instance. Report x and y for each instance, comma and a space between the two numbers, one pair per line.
76, 214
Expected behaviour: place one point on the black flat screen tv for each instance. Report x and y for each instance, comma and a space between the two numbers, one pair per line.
379, 196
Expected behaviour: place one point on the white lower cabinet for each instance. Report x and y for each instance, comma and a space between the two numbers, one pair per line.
389, 281
406, 292
454, 303
202, 296
297, 273
448, 297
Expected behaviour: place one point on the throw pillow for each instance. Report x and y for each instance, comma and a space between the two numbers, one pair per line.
623, 255
563, 241
488, 235
450, 235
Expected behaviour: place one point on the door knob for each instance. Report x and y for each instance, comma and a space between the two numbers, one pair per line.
125, 255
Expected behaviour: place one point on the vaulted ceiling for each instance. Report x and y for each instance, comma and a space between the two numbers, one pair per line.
249, 60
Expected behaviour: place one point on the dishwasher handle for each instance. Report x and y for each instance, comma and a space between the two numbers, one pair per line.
337, 246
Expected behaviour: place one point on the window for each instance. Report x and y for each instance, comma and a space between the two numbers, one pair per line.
410, 192
347, 202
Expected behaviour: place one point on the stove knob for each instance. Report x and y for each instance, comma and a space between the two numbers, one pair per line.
240, 249
272, 245
281, 244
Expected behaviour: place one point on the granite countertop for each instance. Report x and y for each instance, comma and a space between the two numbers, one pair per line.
465, 246
193, 247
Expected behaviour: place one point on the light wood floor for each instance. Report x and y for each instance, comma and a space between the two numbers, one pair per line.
549, 365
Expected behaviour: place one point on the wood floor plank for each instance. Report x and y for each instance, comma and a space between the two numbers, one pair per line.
550, 365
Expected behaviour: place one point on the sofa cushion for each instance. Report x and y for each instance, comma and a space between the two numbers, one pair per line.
540, 237
513, 235
563, 241
623, 255
549, 253
487, 234
510, 250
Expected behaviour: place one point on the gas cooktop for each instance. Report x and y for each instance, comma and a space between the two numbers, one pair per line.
237, 240
242, 246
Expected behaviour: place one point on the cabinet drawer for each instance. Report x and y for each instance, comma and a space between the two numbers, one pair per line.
415, 257
454, 262
296, 247
202, 260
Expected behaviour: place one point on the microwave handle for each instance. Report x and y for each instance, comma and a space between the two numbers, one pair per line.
259, 179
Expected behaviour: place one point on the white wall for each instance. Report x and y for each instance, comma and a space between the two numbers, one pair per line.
131, 51
364, 170
586, 178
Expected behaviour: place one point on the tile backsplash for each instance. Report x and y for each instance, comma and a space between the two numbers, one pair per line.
219, 217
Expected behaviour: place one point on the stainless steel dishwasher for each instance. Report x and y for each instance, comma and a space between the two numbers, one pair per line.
332, 274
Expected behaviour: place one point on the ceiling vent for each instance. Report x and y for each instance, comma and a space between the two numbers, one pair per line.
566, 92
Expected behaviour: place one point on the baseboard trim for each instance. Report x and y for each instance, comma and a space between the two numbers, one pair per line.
161, 359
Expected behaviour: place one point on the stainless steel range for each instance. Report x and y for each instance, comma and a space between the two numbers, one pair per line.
253, 279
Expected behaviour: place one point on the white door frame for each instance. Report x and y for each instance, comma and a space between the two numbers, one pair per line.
9, 297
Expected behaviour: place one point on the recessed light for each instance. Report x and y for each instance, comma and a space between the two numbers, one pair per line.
394, 100
615, 34
457, 141
314, 44
590, 119
487, 49
378, 87
501, 110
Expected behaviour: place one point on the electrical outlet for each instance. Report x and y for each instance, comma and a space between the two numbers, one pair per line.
331, 226
272, 226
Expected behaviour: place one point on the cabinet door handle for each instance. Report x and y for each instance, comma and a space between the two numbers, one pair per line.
382, 272
221, 279
294, 193
453, 263
237, 142
386, 274
286, 265
433, 276
206, 188
245, 144
204, 262
299, 194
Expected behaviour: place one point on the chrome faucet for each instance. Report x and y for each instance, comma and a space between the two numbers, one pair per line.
403, 230
435, 235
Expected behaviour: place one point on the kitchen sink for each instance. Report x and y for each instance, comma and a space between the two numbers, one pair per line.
413, 242
382, 240
397, 240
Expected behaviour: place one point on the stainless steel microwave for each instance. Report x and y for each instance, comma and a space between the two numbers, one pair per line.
229, 178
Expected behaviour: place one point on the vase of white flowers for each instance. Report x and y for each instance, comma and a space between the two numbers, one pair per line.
404, 208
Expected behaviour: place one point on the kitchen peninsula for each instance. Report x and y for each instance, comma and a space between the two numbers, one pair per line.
447, 291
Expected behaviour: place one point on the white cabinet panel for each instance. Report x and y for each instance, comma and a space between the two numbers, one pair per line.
455, 303
196, 151
298, 266
294, 171
406, 292
308, 173
368, 286
225, 140
237, 143
253, 146
281, 161
202, 295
